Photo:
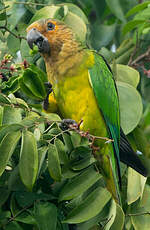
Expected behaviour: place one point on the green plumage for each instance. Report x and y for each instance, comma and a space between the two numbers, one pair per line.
105, 91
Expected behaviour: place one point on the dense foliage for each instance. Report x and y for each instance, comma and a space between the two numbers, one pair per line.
48, 175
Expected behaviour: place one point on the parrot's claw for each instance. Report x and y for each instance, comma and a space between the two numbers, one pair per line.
68, 124
46, 100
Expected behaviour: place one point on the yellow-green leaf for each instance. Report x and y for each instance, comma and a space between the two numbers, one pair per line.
28, 165
7, 148
54, 163
79, 184
89, 207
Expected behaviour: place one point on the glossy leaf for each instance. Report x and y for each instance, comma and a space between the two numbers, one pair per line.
118, 223
25, 217
11, 86
4, 195
130, 110
137, 8
127, 74
5, 129
111, 215
136, 183
131, 25
140, 219
1, 114
61, 151
54, 163
115, 7
28, 164
7, 147
4, 99
89, 207
11, 115
79, 184
42, 154
45, 214
68, 142
13, 226
34, 83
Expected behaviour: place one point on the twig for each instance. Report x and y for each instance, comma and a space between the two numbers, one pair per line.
141, 57
33, 3
17, 214
15, 35
138, 214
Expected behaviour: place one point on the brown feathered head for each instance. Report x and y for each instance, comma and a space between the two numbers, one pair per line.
51, 36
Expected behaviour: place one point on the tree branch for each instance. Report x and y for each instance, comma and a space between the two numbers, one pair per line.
138, 214
15, 35
141, 57
33, 3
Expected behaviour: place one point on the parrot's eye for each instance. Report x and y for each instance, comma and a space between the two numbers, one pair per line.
50, 26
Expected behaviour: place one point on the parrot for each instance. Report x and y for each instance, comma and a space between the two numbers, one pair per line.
84, 89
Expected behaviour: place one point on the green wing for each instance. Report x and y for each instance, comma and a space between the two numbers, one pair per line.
103, 84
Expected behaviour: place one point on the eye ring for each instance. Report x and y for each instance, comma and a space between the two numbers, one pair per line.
50, 26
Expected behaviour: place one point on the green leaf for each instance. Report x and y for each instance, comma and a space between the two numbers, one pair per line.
21, 103
13, 43
25, 217
89, 207
135, 190
4, 99
75, 138
130, 110
42, 154
138, 8
54, 163
98, 35
143, 15
79, 184
111, 215
127, 74
131, 25
61, 151
24, 49
9, 128
68, 142
13, 226
4, 195
28, 164
11, 115
51, 116
7, 148
41, 73
83, 163
118, 223
25, 89
1, 115
46, 215
34, 83
116, 9
10, 86
140, 219
37, 134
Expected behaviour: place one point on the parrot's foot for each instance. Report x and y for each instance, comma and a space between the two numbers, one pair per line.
46, 100
70, 124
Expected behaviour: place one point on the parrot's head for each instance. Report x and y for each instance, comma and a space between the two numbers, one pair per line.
51, 36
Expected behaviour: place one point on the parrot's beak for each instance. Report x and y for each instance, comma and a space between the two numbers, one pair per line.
35, 37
